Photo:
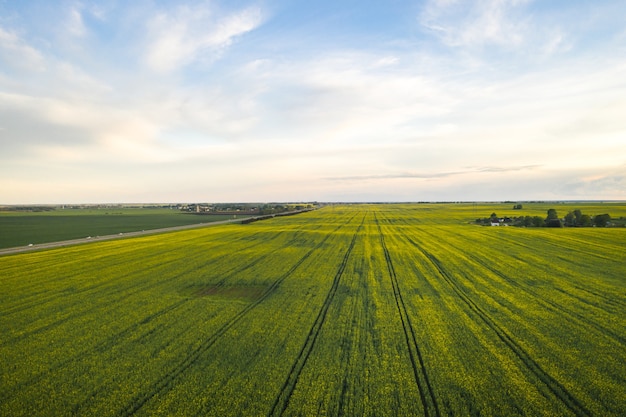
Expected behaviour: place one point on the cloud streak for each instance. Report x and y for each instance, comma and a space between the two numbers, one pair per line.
476, 23
434, 175
18, 54
188, 34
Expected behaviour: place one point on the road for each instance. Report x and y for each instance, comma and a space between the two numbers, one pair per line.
50, 245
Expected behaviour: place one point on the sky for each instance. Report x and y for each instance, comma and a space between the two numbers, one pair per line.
274, 101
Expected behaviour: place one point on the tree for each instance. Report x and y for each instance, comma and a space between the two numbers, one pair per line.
553, 219
585, 221
537, 221
578, 214
552, 215
601, 220
570, 219
526, 221
517, 207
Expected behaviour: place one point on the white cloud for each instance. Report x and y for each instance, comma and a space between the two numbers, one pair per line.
555, 42
17, 53
75, 81
475, 23
75, 25
347, 98
177, 39
387, 61
355, 120
52, 110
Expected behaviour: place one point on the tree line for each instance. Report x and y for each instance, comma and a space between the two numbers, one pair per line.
572, 219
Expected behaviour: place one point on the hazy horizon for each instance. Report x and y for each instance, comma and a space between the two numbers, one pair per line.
171, 203
251, 101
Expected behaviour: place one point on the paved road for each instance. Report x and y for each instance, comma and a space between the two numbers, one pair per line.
50, 245
39, 246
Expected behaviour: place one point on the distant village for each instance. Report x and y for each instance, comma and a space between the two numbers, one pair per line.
244, 208
194, 208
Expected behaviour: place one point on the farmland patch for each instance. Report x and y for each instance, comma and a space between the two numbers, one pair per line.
362, 310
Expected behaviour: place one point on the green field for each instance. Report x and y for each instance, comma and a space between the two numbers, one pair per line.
20, 228
377, 310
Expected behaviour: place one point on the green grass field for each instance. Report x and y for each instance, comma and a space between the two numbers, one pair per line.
377, 310
20, 228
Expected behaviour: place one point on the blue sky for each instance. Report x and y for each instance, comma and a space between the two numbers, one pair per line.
212, 101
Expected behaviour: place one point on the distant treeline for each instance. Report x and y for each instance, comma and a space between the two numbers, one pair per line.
27, 208
572, 219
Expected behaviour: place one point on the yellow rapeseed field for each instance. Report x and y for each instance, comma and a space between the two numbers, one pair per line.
354, 310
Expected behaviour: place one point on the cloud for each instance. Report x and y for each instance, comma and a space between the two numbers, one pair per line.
475, 23
188, 34
345, 97
606, 183
505, 169
322, 117
17, 53
75, 130
555, 41
434, 175
75, 25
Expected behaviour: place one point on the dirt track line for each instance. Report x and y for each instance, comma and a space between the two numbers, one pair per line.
282, 400
555, 306
427, 395
139, 401
552, 384
40, 299
120, 295
542, 299
100, 347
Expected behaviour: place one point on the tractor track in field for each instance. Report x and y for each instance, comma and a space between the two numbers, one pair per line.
427, 394
619, 304
139, 401
238, 269
100, 347
37, 301
587, 250
114, 339
555, 387
547, 302
555, 306
137, 288
606, 301
121, 295
282, 400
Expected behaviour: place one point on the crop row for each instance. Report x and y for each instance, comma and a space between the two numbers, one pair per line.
349, 310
